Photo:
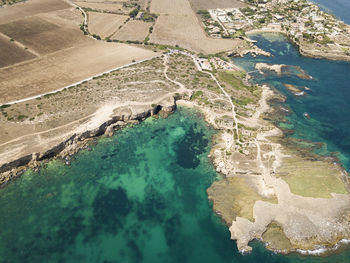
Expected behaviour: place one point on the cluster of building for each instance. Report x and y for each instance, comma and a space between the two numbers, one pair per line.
301, 20
230, 20
224, 22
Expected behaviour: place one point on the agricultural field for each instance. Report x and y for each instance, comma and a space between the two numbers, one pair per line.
104, 24
102, 6
30, 8
177, 24
63, 68
134, 30
214, 4
10, 53
53, 51
43, 36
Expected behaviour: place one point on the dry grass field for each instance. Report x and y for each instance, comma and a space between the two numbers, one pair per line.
178, 25
43, 36
109, 6
170, 7
104, 24
30, 8
63, 68
213, 4
10, 53
64, 54
133, 30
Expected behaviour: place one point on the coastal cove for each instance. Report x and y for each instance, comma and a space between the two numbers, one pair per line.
139, 196
325, 100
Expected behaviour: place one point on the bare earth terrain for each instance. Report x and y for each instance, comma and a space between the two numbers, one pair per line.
103, 6
178, 25
104, 24
133, 30
213, 4
10, 53
30, 8
55, 52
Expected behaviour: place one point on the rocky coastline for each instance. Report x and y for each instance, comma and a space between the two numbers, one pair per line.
78, 141
254, 197
285, 221
302, 48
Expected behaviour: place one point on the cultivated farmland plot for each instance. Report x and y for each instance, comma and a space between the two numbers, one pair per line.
42, 48
134, 30
178, 25
103, 24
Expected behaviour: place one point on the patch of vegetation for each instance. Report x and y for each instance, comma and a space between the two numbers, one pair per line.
196, 95
247, 11
22, 117
204, 14
9, 2
5, 106
96, 37
242, 101
233, 78
276, 238
239, 33
148, 17
309, 178
134, 12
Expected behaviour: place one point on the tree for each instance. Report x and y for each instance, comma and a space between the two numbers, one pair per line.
134, 12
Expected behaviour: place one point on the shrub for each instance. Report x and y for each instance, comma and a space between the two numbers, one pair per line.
5, 106
134, 12
204, 14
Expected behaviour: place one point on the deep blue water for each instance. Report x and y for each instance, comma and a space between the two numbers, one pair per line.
327, 102
340, 8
